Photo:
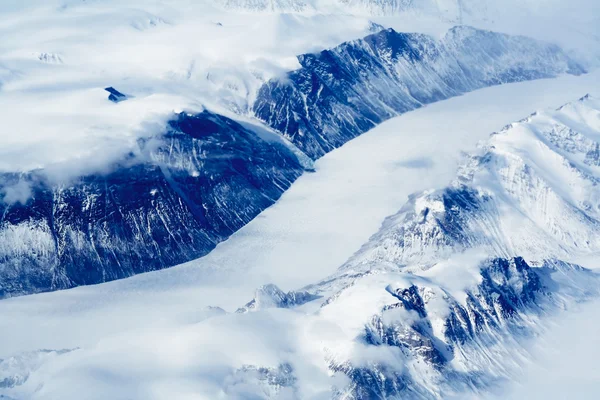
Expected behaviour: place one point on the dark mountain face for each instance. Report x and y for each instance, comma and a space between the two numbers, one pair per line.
194, 186
341, 93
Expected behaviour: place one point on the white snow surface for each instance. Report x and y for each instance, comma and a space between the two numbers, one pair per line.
153, 337
57, 56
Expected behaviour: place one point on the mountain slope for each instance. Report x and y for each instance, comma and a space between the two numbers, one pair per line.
182, 193
460, 325
425, 338
532, 191
474, 268
343, 92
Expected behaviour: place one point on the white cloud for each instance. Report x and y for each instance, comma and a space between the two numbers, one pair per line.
18, 192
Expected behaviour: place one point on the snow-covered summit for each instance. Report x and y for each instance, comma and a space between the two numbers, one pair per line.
531, 191
270, 296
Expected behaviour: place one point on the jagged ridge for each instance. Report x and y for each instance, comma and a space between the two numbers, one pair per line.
530, 191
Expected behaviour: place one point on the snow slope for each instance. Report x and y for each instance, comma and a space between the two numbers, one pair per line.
531, 191
286, 246
152, 336
563, 367
58, 56
171, 200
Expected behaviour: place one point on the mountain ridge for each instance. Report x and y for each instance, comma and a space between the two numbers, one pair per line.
342, 92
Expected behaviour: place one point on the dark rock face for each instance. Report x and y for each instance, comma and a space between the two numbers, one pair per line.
115, 96
188, 190
367, 383
341, 93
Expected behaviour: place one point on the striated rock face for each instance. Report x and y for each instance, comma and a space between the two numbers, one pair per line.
180, 193
185, 191
341, 93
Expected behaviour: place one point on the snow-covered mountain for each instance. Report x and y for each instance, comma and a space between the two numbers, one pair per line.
171, 200
485, 262
343, 92
532, 191
442, 301
432, 339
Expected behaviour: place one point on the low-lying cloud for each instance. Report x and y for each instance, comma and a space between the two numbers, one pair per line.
19, 192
